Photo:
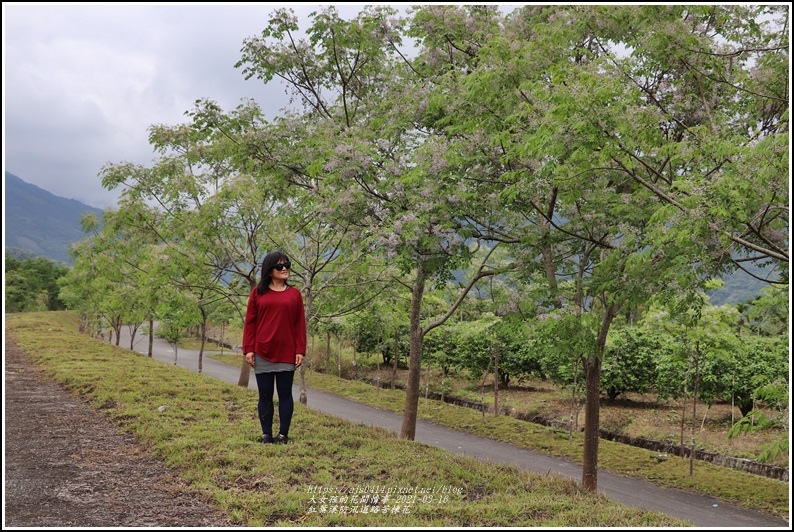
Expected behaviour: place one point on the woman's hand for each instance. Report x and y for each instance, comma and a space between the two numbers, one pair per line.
249, 358
298, 360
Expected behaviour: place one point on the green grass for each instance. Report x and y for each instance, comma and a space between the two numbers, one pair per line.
207, 430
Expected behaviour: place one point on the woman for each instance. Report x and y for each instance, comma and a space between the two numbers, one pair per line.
274, 342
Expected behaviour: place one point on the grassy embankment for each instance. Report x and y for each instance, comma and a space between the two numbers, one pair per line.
207, 431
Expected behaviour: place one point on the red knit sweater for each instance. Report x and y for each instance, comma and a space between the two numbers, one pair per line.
275, 325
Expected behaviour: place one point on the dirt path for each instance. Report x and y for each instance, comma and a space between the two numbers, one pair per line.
68, 465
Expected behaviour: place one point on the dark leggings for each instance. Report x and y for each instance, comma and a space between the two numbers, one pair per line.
283, 385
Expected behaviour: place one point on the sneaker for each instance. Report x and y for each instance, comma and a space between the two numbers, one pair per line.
281, 439
266, 438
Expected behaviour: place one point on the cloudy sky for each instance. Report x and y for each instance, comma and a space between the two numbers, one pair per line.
82, 83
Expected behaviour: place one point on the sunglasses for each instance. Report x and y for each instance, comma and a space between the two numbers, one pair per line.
280, 267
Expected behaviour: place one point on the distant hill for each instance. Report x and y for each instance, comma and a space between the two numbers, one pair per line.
740, 287
39, 223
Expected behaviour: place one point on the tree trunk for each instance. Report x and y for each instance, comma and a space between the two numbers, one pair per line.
396, 357
117, 329
408, 431
203, 332
151, 337
592, 404
496, 381
574, 415
548, 255
339, 356
133, 332
684, 405
328, 352
592, 366
694, 410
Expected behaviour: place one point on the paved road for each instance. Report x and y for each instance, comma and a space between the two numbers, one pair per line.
702, 511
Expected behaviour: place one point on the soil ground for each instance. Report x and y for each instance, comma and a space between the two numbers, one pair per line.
68, 465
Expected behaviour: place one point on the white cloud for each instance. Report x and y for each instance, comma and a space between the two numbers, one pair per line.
82, 83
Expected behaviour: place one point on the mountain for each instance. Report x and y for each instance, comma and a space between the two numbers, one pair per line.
39, 223
740, 287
